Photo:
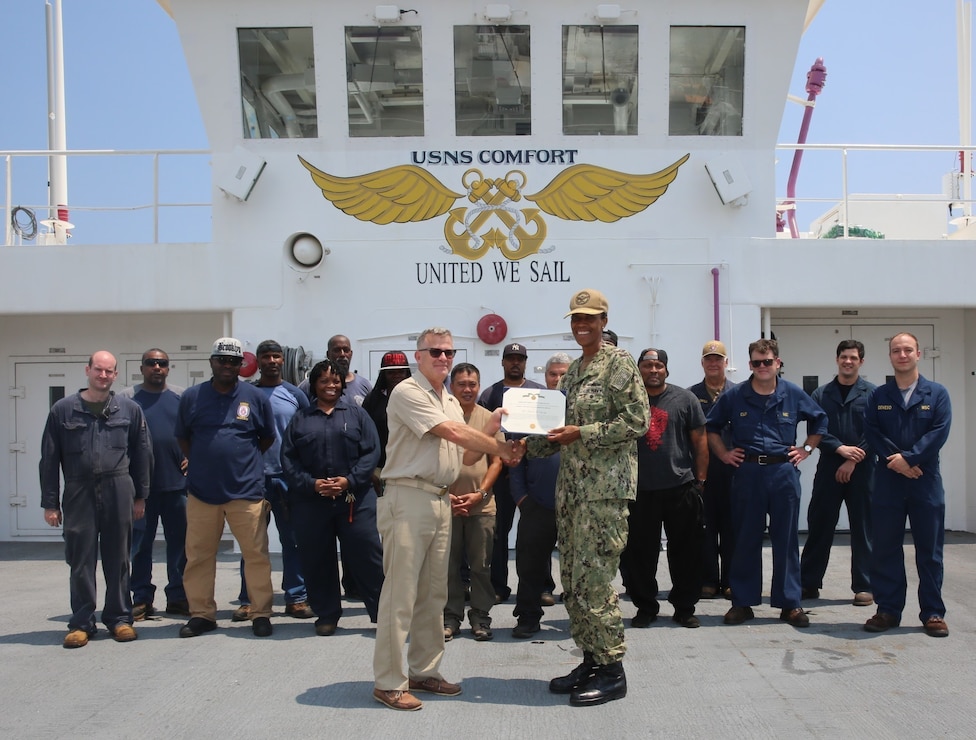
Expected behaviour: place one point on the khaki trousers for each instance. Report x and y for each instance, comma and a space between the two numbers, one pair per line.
415, 527
204, 527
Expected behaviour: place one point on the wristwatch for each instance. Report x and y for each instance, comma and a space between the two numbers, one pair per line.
808, 449
483, 492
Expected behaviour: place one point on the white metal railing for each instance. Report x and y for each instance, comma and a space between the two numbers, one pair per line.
923, 166
190, 170
820, 182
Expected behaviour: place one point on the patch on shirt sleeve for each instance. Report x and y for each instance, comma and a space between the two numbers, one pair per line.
243, 411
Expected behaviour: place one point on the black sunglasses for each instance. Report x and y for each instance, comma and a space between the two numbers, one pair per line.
768, 362
435, 352
159, 363
232, 361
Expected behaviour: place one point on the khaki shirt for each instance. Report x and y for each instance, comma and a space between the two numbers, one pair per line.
472, 475
412, 452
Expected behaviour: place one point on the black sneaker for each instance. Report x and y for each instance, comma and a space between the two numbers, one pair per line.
642, 619
261, 627
197, 626
525, 630
180, 608
686, 620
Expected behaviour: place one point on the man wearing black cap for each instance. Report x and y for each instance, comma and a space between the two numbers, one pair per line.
513, 362
286, 400
672, 462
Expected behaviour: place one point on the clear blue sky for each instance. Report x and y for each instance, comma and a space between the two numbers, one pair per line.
891, 79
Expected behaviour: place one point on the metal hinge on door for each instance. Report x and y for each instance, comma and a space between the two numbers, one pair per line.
17, 391
18, 501
18, 447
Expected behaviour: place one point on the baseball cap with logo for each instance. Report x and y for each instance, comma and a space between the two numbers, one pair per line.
514, 349
228, 347
714, 347
588, 301
394, 361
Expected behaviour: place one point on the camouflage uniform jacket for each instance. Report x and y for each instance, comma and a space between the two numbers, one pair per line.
608, 403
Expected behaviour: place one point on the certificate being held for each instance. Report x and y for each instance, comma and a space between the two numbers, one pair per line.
533, 411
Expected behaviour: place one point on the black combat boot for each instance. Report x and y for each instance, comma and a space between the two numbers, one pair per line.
607, 683
575, 678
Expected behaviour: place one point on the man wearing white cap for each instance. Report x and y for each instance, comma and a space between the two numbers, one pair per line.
223, 427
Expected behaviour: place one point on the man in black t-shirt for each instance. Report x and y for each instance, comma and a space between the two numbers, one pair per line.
672, 462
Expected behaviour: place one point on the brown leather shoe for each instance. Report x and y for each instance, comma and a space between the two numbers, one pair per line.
797, 617
435, 686
936, 627
739, 614
547, 599
401, 700
299, 610
123, 633
241, 613
75, 639
881, 622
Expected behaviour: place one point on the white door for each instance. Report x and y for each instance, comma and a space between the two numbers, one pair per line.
38, 385
809, 351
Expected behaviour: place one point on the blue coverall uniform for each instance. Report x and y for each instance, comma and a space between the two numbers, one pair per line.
845, 426
106, 461
765, 425
918, 431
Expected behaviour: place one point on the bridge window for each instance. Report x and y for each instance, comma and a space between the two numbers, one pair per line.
707, 79
277, 83
385, 81
600, 80
492, 81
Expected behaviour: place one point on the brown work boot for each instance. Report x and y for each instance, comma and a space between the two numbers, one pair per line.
75, 639
299, 610
881, 622
123, 633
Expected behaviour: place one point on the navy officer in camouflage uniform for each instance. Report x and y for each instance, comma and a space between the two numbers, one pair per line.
606, 413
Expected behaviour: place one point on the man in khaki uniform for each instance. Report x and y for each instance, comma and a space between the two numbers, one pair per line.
423, 458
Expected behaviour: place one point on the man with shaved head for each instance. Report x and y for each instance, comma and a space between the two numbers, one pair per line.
100, 443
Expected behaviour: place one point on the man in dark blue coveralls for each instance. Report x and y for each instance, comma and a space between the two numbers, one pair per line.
845, 475
764, 412
907, 422
99, 441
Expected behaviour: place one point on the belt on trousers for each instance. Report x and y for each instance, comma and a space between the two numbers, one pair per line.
767, 459
421, 484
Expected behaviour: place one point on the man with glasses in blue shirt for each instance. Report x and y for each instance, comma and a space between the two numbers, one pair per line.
160, 402
764, 412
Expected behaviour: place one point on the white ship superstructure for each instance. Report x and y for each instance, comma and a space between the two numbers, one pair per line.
376, 171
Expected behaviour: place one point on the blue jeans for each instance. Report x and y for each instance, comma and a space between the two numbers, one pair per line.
292, 580
170, 508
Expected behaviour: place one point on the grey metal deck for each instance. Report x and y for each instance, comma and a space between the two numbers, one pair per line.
760, 679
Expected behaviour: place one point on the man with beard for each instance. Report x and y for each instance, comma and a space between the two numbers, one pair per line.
223, 427
672, 462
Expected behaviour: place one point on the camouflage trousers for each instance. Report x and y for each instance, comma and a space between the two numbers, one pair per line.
592, 535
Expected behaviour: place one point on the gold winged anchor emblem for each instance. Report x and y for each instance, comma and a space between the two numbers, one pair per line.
407, 193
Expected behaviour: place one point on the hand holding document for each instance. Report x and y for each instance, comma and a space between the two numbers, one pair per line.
533, 410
